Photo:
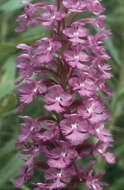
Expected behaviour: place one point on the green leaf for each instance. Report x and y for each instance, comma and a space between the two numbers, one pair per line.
6, 49
7, 148
11, 5
8, 79
10, 170
34, 31
119, 150
25, 188
118, 185
113, 51
7, 104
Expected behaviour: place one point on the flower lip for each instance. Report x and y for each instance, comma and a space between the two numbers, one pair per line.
82, 84
76, 33
59, 174
49, 48
94, 186
64, 154
35, 89
32, 128
98, 130
58, 98
76, 56
99, 150
90, 108
74, 126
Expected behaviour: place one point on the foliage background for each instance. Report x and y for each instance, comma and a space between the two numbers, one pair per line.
9, 122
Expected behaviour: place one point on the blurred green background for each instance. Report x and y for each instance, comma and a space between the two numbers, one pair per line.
9, 122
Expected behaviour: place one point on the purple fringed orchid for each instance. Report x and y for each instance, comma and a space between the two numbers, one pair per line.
67, 71
58, 98
93, 182
75, 33
74, 6
62, 156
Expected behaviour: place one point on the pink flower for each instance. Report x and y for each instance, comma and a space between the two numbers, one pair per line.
58, 99
28, 18
74, 129
74, 6
94, 6
110, 158
93, 110
101, 148
93, 182
25, 47
74, 57
31, 89
30, 10
28, 129
75, 33
60, 177
25, 174
83, 85
51, 15
45, 49
62, 156
48, 132
103, 69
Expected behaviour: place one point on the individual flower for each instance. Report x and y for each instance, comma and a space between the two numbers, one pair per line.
25, 174
60, 177
101, 148
76, 58
49, 132
93, 181
74, 6
28, 129
26, 71
103, 69
58, 99
51, 15
101, 133
74, 129
95, 44
84, 85
93, 110
25, 47
28, 18
28, 15
94, 6
62, 156
76, 33
31, 89
45, 49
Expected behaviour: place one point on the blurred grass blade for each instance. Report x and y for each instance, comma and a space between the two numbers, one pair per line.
7, 84
7, 148
6, 49
11, 5
10, 170
113, 51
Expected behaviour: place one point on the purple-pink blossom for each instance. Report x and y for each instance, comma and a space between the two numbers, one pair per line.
58, 99
74, 6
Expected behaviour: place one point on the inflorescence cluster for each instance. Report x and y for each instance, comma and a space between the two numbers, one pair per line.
68, 71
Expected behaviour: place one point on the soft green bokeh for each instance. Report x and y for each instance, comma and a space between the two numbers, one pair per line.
9, 122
